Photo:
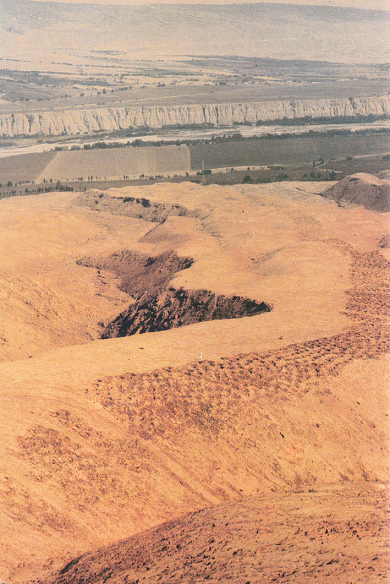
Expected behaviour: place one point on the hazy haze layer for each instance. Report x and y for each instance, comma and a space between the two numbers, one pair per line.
34, 34
368, 4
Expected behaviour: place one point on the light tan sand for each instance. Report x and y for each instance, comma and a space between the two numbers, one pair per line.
99, 442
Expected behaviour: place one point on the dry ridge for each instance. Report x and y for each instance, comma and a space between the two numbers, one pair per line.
103, 440
367, 190
331, 534
138, 207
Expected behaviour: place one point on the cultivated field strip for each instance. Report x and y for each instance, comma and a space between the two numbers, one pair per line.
286, 151
24, 167
116, 163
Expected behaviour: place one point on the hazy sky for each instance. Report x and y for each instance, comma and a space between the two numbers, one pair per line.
374, 4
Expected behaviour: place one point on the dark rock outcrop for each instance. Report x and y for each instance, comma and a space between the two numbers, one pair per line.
174, 308
137, 207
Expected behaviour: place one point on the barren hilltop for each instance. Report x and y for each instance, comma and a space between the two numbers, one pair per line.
372, 192
269, 411
194, 373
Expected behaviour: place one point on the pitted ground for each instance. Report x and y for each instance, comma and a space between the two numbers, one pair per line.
322, 534
137, 207
105, 439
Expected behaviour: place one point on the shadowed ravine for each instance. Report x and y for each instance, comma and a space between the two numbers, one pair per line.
158, 307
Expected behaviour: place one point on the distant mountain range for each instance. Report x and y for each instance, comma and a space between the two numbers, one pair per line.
35, 32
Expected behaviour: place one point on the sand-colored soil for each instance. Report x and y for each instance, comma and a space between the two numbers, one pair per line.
102, 439
367, 190
330, 534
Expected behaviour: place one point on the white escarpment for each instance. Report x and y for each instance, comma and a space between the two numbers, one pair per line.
87, 121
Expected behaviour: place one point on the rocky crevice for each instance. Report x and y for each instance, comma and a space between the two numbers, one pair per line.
137, 207
157, 306
173, 308
139, 272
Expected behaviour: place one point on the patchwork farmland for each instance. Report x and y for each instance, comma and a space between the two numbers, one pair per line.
116, 163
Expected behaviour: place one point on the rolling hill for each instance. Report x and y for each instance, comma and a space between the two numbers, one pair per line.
102, 439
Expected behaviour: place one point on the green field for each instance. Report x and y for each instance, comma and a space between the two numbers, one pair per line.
116, 163
306, 157
24, 167
293, 151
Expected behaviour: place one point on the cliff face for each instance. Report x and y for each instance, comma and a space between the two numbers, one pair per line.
87, 121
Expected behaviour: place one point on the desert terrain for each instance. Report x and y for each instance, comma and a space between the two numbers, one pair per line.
321, 534
177, 347
194, 284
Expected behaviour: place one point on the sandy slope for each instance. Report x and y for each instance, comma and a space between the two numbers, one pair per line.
367, 190
331, 534
101, 439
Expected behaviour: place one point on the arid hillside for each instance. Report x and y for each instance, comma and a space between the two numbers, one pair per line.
367, 190
280, 386
324, 534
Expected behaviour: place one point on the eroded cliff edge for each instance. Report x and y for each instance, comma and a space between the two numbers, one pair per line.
87, 121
